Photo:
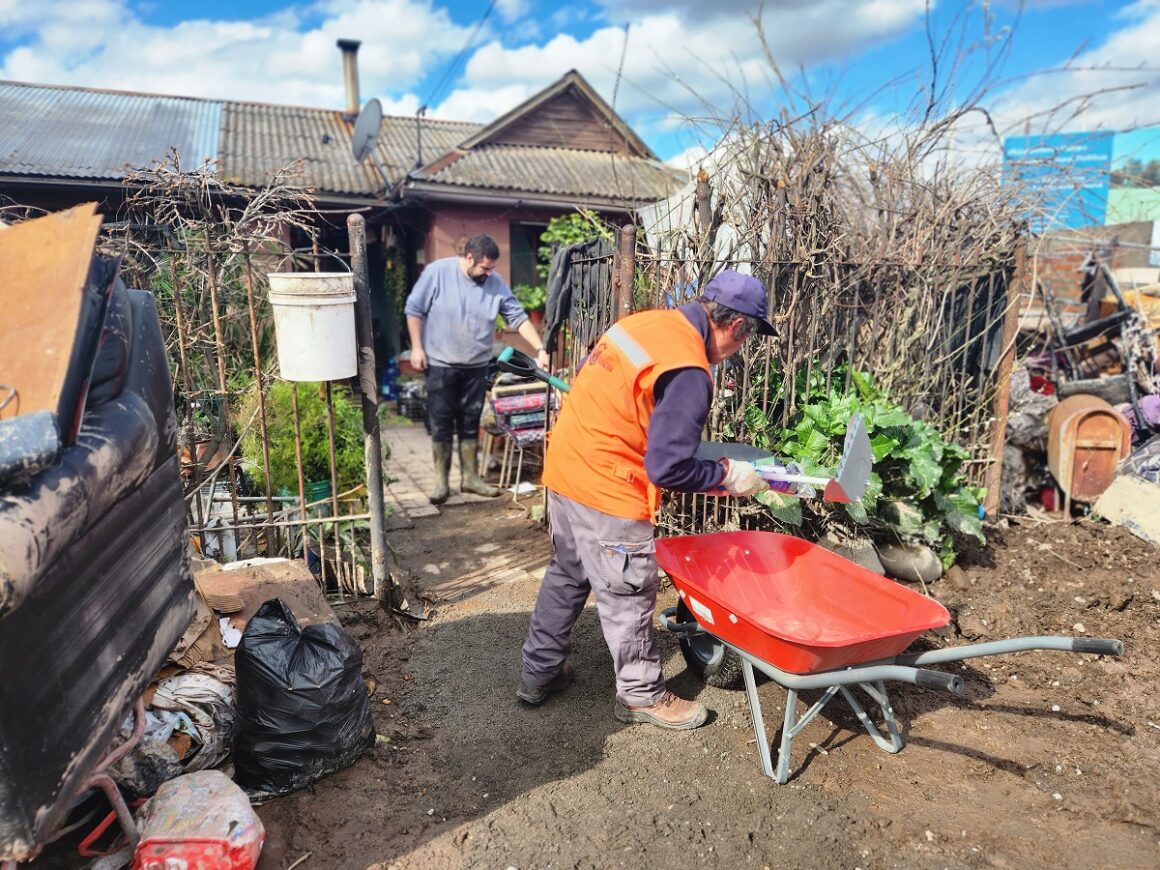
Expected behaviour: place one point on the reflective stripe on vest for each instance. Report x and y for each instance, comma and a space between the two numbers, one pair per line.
629, 346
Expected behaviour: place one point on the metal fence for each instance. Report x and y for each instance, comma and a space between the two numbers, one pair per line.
937, 338
269, 467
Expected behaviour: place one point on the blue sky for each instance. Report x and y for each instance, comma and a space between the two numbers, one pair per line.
679, 69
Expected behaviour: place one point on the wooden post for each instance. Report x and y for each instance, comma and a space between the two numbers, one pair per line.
383, 587
623, 269
1015, 290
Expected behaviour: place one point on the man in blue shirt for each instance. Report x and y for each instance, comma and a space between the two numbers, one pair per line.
451, 316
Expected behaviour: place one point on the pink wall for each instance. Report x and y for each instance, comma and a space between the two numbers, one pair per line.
452, 225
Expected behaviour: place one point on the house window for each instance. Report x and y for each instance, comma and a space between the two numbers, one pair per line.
525, 255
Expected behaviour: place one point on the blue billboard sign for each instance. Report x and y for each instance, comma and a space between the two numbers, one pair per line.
1065, 176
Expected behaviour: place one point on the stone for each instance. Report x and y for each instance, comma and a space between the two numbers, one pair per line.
914, 563
860, 551
957, 578
972, 627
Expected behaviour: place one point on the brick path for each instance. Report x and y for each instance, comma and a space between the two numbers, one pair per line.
411, 474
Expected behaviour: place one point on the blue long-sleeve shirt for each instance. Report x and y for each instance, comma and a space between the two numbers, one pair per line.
459, 315
682, 399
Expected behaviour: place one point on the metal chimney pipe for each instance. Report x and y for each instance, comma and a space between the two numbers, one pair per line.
350, 75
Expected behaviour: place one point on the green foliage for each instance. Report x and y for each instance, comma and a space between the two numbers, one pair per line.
564, 230
531, 298
312, 413
916, 491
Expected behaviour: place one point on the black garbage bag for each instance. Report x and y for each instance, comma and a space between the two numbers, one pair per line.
303, 709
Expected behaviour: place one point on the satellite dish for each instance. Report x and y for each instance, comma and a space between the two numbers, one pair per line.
366, 130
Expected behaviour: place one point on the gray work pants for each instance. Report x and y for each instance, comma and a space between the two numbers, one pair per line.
615, 559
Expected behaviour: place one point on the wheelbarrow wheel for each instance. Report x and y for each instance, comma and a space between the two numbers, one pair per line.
712, 660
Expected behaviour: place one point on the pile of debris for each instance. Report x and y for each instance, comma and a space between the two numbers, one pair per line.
1083, 432
242, 683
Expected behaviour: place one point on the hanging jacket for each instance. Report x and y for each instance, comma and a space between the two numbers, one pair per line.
596, 449
579, 279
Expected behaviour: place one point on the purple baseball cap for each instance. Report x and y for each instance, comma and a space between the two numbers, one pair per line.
743, 293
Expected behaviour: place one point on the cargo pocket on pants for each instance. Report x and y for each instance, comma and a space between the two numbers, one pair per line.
628, 567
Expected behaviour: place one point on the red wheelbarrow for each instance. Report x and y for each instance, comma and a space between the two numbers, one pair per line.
811, 620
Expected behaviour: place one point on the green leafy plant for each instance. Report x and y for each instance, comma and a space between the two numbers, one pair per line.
312, 412
531, 297
916, 492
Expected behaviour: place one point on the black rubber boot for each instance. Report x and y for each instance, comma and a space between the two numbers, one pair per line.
469, 480
442, 454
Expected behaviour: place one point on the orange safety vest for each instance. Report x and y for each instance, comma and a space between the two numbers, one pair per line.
596, 449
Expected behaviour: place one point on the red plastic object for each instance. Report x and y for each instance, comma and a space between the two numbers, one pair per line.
199, 821
1042, 385
794, 604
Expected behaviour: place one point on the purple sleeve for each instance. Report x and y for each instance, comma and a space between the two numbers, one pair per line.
674, 433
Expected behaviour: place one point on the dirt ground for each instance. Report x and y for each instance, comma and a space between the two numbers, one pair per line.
1049, 759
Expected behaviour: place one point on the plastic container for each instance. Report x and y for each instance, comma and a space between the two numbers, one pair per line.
314, 325
772, 473
199, 821
390, 384
793, 604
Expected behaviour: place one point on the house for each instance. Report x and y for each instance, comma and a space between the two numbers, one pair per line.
428, 185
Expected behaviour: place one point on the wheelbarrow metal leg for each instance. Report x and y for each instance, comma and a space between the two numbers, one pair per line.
877, 691
785, 750
757, 720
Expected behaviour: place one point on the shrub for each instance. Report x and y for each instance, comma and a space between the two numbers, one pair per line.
348, 436
916, 492
531, 298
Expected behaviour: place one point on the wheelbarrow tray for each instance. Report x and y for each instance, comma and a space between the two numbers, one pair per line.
792, 603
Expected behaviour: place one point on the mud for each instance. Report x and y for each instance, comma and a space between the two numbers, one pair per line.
1049, 759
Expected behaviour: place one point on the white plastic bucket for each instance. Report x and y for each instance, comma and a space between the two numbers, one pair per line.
314, 325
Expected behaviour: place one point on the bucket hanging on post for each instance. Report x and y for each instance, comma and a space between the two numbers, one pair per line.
314, 325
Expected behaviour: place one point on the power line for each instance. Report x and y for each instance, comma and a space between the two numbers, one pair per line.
455, 62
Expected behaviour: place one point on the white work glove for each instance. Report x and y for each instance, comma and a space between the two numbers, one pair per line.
741, 478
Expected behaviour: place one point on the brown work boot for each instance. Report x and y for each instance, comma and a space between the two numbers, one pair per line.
670, 712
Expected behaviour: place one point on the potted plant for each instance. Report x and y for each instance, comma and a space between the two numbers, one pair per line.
533, 298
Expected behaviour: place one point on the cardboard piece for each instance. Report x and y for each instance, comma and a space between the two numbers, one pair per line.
44, 267
1133, 503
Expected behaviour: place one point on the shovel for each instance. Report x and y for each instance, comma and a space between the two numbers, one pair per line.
518, 363
848, 483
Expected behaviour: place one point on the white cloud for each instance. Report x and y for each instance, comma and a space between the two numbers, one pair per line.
689, 160
677, 68
101, 43
1123, 68
511, 10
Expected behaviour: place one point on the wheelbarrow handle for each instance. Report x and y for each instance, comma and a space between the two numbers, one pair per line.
517, 363
938, 680
1099, 645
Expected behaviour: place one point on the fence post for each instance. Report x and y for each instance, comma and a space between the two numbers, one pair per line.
624, 266
357, 234
1015, 290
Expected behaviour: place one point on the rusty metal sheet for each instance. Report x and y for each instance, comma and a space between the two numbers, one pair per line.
44, 270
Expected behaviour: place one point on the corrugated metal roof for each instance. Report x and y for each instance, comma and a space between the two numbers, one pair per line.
259, 140
95, 135
81, 133
560, 172
398, 149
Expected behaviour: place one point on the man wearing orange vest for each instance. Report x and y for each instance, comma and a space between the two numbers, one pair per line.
630, 427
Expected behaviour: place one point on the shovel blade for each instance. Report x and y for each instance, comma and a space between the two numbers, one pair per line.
849, 483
